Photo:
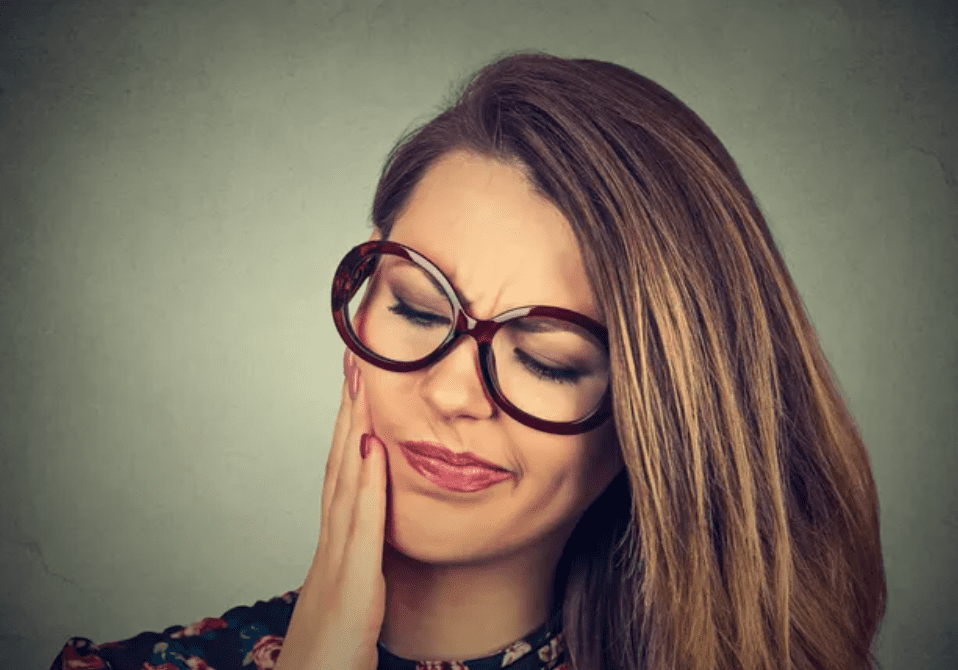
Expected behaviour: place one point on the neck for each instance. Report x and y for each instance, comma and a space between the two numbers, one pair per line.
465, 611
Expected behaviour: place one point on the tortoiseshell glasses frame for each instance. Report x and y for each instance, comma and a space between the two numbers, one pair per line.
359, 263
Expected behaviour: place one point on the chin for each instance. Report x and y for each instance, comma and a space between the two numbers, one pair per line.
429, 543
458, 538
452, 538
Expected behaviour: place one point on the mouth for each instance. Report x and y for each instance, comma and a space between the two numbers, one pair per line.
462, 473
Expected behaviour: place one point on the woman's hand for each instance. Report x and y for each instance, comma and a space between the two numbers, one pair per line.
340, 609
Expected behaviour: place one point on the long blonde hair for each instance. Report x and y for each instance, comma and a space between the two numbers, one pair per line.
743, 532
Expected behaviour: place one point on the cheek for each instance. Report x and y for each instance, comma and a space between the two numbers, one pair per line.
570, 483
387, 397
579, 472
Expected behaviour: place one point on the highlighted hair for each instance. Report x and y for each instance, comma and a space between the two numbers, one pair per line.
743, 532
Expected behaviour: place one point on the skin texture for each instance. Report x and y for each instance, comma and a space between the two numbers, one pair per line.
467, 574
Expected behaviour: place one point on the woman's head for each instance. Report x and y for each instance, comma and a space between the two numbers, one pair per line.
742, 531
501, 245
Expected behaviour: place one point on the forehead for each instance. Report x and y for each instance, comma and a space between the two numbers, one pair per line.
497, 240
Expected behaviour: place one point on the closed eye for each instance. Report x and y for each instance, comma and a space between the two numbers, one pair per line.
558, 375
540, 370
424, 319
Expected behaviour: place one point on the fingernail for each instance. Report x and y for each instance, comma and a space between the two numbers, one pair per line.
364, 445
354, 381
346, 364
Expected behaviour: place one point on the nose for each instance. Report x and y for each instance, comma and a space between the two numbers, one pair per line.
454, 384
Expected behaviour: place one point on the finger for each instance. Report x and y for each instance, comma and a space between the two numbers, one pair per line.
336, 448
335, 454
360, 423
368, 537
343, 503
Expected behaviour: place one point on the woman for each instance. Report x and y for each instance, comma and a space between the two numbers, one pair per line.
653, 468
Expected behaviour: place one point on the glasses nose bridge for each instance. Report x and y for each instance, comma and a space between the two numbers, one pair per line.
482, 331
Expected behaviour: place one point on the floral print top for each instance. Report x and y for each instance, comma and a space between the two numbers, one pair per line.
250, 638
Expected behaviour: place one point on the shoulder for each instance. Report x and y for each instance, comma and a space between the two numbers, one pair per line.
244, 636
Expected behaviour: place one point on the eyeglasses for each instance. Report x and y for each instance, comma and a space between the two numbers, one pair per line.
546, 367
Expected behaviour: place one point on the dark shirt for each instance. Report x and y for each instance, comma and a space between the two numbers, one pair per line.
250, 638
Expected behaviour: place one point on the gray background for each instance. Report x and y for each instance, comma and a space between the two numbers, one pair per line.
178, 180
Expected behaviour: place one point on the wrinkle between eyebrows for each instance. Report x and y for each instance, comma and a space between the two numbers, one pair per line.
470, 305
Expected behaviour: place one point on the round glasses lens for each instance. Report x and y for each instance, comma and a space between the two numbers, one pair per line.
399, 312
549, 368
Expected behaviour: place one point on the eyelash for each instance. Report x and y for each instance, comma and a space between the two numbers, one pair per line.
557, 375
419, 318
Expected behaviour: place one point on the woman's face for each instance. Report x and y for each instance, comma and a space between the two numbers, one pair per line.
502, 246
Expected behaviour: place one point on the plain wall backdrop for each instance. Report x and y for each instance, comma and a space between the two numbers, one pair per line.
179, 178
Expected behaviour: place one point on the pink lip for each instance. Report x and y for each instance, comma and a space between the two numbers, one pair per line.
464, 473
